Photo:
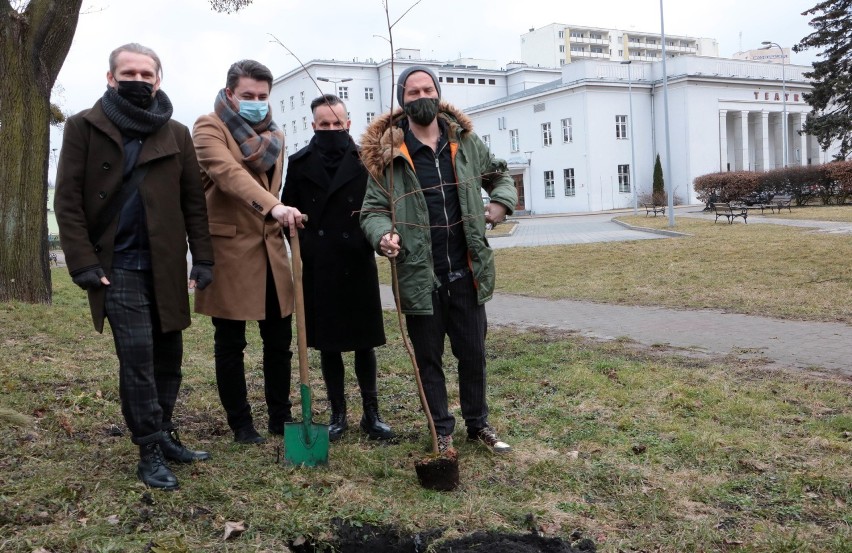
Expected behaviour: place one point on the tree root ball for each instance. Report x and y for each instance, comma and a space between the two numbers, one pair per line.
440, 474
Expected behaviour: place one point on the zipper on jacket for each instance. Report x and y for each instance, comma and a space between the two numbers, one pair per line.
444, 205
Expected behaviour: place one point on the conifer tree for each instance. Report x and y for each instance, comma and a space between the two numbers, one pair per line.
831, 98
659, 193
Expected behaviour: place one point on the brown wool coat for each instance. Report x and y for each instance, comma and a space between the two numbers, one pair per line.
90, 173
244, 235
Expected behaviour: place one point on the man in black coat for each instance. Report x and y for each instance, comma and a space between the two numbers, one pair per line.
326, 181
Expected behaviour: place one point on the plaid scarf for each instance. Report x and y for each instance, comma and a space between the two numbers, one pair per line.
260, 144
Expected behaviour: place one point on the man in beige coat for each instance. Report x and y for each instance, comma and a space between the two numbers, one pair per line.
241, 153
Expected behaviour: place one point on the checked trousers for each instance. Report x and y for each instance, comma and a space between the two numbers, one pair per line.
149, 360
457, 314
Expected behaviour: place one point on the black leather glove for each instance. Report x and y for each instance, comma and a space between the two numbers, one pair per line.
202, 274
89, 279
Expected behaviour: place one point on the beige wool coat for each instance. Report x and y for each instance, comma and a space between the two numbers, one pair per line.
244, 234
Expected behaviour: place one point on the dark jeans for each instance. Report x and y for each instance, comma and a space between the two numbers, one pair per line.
229, 342
457, 314
149, 360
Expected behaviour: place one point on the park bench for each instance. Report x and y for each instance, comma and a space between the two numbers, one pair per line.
654, 208
779, 202
731, 212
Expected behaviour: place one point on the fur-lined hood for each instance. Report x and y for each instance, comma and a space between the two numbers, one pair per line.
376, 152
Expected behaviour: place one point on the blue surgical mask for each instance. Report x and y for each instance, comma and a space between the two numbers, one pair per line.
254, 111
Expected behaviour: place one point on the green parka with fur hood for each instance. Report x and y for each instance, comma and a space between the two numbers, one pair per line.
475, 169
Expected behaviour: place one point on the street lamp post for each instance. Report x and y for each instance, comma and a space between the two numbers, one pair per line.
335, 82
668, 174
529, 154
632, 143
767, 44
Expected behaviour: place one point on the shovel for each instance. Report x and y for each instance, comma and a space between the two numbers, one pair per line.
305, 443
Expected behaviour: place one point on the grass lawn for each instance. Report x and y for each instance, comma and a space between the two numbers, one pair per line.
756, 269
637, 449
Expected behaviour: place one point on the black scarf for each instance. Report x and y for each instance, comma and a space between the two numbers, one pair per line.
135, 121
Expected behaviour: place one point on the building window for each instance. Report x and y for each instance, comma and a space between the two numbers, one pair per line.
282, 106
370, 116
624, 178
292, 102
450, 79
570, 190
304, 122
549, 192
546, 135
471, 80
514, 141
575, 48
302, 97
567, 131
486, 138
492, 81
561, 34
621, 127
561, 48
368, 93
501, 123
481, 81
343, 92
284, 129
294, 127
597, 50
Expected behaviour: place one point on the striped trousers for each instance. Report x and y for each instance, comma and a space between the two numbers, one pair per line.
455, 314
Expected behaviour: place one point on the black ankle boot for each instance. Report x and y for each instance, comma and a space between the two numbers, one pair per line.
372, 423
337, 425
174, 450
152, 469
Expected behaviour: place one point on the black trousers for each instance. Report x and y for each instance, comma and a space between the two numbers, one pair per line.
331, 363
229, 342
456, 314
149, 360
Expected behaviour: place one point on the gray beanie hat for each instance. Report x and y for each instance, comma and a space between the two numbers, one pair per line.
400, 82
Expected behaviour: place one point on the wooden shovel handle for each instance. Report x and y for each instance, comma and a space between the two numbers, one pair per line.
301, 338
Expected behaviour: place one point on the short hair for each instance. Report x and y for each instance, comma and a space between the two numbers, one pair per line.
326, 100
136, 49
247, 68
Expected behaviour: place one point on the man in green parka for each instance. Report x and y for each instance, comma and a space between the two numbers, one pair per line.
445, 266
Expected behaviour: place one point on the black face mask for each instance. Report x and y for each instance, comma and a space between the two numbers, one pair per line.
138, 93
331, 142
422, 110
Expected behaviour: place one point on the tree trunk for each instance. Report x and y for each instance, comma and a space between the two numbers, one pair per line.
34, 41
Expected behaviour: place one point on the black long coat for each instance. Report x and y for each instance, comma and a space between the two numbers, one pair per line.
343, 310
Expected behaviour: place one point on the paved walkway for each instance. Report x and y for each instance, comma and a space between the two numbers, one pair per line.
787, 343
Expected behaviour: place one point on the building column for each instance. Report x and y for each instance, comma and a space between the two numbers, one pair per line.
778, 147
764, 142
802, 141
723, 140
743, 164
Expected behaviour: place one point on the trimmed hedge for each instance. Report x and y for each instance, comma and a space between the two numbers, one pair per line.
831, 183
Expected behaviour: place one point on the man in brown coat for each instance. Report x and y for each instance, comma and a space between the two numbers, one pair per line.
241, 154
128, 195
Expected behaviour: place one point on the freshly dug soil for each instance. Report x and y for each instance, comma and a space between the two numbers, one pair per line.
366, 538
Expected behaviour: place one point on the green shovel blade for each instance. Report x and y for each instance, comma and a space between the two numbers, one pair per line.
306, 443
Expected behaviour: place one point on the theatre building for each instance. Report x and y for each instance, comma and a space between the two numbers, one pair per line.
571, 144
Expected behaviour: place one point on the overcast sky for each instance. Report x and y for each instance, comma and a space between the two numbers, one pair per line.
197, 45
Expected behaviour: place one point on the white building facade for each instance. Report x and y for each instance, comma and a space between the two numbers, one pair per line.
558, 44
366, 88
568, 143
